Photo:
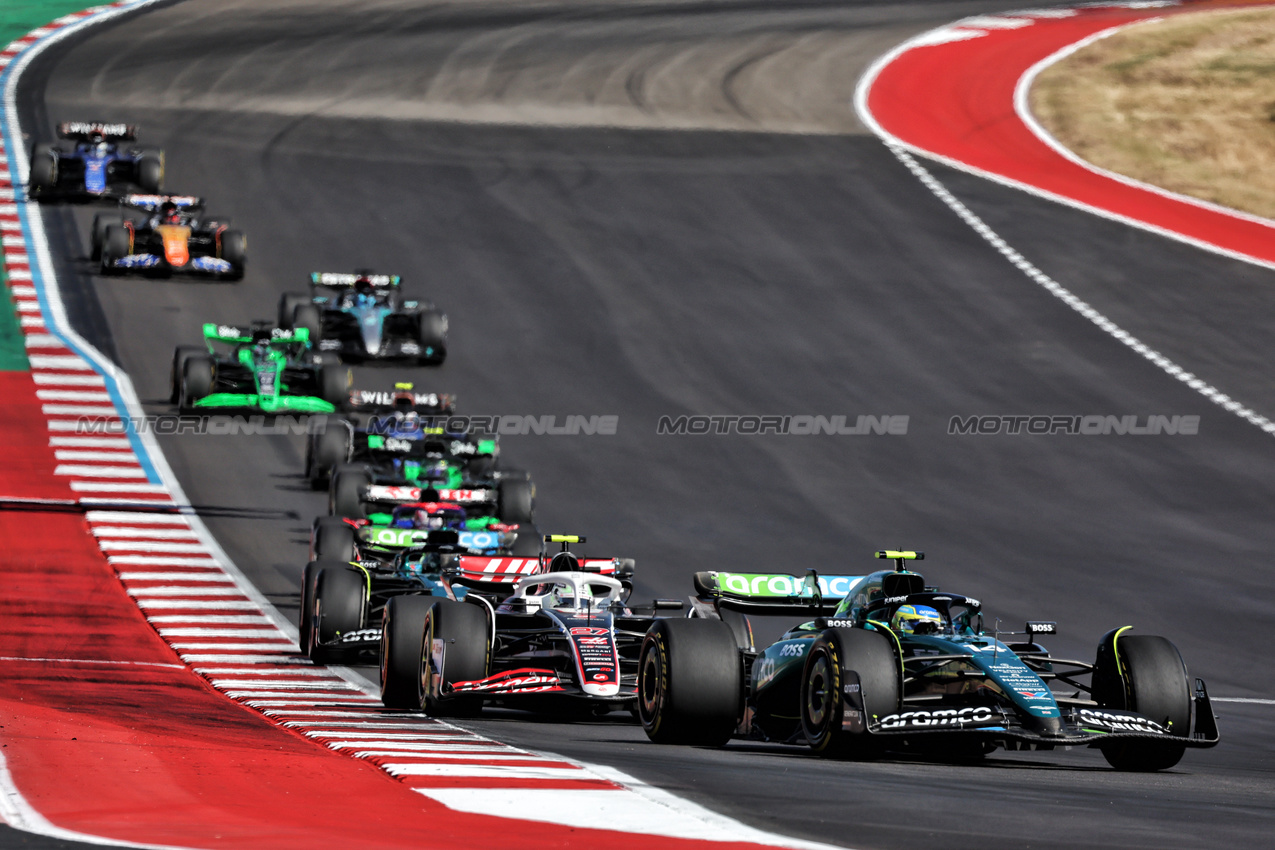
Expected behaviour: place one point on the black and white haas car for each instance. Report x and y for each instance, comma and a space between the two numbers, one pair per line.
565, 638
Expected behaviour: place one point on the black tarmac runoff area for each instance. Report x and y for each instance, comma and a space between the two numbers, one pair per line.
648, 209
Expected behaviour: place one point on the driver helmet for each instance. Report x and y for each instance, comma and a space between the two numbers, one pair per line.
170, 213
917, 620
101, 148
564, 596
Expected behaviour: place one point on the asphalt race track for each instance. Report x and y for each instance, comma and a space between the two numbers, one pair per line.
607, 200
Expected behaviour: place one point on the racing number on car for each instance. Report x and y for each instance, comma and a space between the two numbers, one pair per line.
598, 660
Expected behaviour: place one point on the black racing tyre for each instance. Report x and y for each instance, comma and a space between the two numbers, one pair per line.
234, 250
873, 657
181, 354
334, 383
150, 171
44, 168
1146, 674
345, 492
327, 449
517, 501
340, 604
461, 632
116, 244
288, 304
307, 316
101, 221
433, 336
528, 542
332, 540
196, 382
690, 682
402, 654
305, 618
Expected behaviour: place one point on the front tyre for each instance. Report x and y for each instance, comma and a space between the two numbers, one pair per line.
456, 649
196, 382
180, 355
402, 653
871, 656
44, 169
690, 682
345, 492
1146, 674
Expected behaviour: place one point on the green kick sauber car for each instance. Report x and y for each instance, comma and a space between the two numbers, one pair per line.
894, 665
268, 369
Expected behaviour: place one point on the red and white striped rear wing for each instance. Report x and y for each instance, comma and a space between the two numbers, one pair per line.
485, 569
404, 494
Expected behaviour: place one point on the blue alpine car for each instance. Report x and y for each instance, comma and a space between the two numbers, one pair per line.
99, 165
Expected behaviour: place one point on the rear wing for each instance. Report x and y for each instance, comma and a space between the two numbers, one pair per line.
396, 494
235, 334
375, 401
84, 131
151, 203
774, 593
483, 570
343, 280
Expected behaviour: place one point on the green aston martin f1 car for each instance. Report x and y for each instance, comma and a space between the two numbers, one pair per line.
890, 664
268, 369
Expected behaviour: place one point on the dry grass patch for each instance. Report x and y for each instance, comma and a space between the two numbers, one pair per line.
1186, 103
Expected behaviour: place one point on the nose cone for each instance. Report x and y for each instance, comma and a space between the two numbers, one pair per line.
370, 326
95, 176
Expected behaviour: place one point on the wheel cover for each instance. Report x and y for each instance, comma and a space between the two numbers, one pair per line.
427, 663
651, 683
818, 702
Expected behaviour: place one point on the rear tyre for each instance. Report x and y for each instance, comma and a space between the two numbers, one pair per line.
402, 653
517, 501
307, 316
527, 542
101, 221
150, 171
115, 246
690, 682
433, 338
1146, 674
288, 304
460, 634
340, 601
44, 169
333, 540
345, 492
196, 382
327, 449
234, 250
869, 654
180, 355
